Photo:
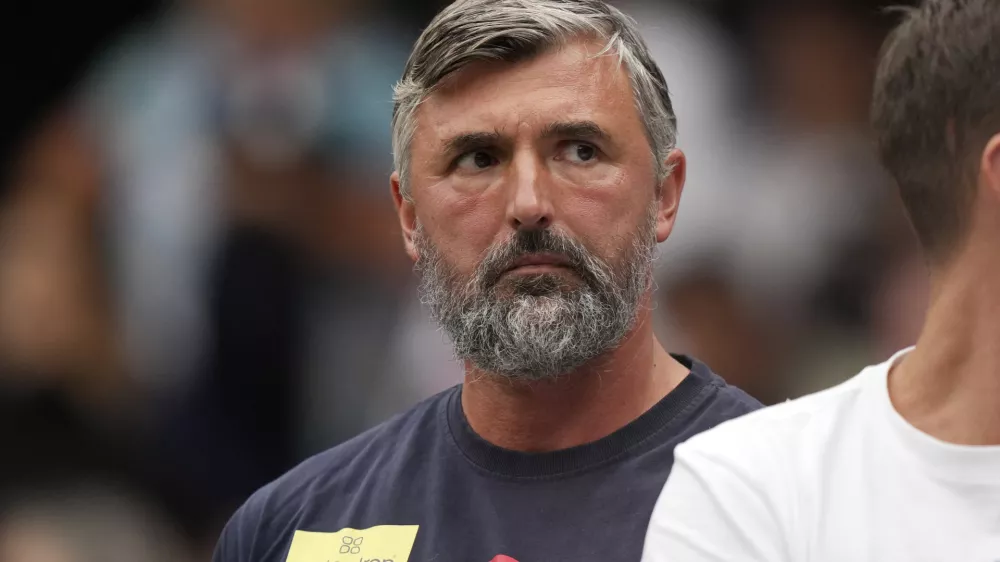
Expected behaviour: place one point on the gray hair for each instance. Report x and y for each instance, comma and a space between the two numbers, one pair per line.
468, 31
546, 328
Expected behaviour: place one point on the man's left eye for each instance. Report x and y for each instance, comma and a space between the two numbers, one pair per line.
579, 152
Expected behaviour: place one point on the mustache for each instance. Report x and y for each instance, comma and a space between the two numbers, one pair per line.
525, 243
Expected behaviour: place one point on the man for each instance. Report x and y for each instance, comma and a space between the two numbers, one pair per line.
535, 173
903, 461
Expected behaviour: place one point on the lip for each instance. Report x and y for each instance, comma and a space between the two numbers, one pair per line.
539, 262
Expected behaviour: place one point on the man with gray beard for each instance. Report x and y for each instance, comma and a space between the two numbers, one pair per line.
536, 170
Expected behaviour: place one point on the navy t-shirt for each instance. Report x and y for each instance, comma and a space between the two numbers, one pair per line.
424, 487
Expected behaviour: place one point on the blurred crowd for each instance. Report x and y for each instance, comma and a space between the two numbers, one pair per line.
202, 280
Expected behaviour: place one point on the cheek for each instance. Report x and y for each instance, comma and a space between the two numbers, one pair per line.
606, 214
462, 226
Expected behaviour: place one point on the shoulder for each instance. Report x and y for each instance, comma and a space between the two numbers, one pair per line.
272, 511
732, 399
781, 434
741, 487
719, 401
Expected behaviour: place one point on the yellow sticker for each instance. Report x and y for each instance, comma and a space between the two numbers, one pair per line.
385, 543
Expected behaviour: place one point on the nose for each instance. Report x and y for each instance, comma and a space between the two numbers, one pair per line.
529, 206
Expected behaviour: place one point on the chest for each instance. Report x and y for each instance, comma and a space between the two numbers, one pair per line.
900, 515
480, 519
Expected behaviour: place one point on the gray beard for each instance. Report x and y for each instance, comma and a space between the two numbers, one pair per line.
537, 327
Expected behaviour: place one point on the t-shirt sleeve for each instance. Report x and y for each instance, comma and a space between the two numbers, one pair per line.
237, 540
712, 510
227, 549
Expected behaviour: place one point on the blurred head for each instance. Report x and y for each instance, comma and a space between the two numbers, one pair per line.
535, 173
816, 72
277, 21
936, 115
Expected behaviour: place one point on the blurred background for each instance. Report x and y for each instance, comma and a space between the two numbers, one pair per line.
201, 275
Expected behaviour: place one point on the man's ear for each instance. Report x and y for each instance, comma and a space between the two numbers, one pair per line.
407, 216
670, 194
989, 167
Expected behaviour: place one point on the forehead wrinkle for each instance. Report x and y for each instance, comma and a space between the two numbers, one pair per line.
601, 68
471, 100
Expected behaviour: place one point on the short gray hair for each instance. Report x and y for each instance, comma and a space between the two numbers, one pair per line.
468, 31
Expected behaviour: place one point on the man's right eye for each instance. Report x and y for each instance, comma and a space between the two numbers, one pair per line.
475, 161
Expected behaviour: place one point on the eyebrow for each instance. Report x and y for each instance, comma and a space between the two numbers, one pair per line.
584, 130
466, 142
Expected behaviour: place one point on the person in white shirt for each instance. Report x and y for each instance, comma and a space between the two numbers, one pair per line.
902, 462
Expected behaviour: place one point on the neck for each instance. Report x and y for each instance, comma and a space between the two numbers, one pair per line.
578, 408
949, 386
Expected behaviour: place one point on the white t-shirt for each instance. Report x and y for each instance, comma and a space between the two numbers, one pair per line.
837, 476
